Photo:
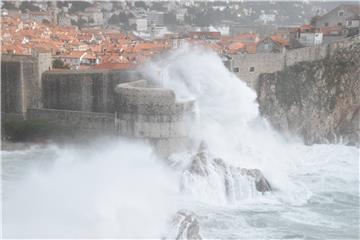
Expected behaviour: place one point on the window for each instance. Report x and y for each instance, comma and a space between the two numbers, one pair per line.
236, 69
339, 24
252, 69
349, 23
266, 46
326, 24
341, 13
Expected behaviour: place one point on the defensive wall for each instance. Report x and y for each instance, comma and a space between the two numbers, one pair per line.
248, 67
141, 111
79, 120
90, 91
112, 101
19, 84
153, 113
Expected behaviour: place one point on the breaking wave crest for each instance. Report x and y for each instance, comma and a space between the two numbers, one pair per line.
116, 188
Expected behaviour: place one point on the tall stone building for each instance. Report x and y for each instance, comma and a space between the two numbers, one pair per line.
338, 16
21, 82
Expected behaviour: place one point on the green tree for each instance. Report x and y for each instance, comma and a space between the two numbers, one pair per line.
58, 63
8, 6
28, 6
140, 4
78, 6
45, 21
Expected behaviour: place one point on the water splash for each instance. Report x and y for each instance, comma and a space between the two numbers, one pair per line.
228, 117
112, 188
117, 189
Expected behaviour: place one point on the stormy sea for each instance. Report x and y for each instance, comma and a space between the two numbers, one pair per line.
239, 180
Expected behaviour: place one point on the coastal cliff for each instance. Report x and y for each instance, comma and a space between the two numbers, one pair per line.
318, 100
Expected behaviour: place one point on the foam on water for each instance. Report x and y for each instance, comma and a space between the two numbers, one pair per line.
228, 118
109, 189
116, 188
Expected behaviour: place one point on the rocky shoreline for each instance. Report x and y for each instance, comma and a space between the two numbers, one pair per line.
319, 100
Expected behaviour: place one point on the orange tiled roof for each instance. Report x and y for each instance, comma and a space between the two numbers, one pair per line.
114, 66
235, 47
331, 30
307, 26
149, 46
280, 40
73, 54
246, 36
251, 47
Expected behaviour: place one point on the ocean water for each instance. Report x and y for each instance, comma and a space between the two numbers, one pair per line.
117, 188
103, 191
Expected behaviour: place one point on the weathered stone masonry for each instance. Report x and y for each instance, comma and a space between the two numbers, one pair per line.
318, 100
90, 91
248, 67
145, 111
79, 120
19, 85
96, 102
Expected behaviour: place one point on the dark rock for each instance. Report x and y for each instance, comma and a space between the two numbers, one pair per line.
188, 225
199, 164
202, 164
319, 100
262, 185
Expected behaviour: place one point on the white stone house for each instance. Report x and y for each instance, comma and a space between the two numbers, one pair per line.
311, 38
141, 24
338, 16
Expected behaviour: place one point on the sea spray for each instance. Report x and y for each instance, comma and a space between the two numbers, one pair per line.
228, 118
119, 189
113, 188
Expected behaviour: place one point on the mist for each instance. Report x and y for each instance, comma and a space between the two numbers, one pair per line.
112, 188
117, 188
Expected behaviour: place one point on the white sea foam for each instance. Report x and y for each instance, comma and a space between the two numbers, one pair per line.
119, 189
109, 189
228, 118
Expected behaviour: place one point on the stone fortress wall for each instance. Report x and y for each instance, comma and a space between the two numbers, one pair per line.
141, 111
90, 91
19, 85
113, 101
134, 109
249, 67
77, 120
81, 100
147, 111
318, 101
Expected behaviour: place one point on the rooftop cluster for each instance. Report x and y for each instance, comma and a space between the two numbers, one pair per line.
96, 45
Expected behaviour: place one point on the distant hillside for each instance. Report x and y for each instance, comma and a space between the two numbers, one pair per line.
211, 13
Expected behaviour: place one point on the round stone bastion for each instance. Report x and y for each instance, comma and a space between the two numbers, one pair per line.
146, 111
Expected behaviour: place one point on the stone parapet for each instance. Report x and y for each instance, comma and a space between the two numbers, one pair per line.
147, 111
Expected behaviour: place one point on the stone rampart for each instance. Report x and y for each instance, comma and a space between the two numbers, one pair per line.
248, 67
145, 111
316, 100
152, 113
19, 83
79, 120
91, 91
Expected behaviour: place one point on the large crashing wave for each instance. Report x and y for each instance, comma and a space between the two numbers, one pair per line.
120, 189
227, 118
110, 189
